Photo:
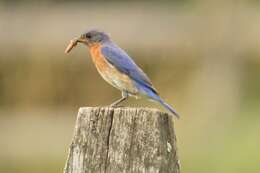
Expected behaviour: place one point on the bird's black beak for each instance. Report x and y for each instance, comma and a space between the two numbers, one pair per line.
81, 39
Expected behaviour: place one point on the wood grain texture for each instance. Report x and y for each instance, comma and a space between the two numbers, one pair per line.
111, 140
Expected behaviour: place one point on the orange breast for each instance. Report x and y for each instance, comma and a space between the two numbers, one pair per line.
98, 58
110, 73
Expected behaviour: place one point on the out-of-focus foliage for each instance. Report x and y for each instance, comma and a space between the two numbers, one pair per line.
203, 57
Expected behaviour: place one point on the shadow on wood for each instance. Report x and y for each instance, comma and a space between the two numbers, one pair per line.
115, 140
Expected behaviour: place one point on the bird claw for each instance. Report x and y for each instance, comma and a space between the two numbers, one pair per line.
116, 106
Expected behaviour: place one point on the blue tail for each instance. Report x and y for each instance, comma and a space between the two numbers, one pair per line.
168, 107
151, 93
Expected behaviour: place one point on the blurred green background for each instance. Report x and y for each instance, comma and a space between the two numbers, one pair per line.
202, 56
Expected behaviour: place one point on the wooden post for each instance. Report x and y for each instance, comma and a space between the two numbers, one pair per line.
117, 140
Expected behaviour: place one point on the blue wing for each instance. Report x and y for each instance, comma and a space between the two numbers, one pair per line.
119, 58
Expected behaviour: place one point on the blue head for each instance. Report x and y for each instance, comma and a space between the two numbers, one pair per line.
93, 37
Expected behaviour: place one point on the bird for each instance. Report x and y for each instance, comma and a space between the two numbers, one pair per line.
118, 69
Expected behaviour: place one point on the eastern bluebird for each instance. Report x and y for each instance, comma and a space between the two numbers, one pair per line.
118, 69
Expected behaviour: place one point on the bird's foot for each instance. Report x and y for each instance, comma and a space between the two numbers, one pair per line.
117, 103
116, 106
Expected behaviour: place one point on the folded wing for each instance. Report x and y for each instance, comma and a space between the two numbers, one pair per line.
121, 60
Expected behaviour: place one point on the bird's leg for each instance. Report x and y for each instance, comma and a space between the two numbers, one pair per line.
124, 97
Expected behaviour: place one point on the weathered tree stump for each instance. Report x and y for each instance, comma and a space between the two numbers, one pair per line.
117, 140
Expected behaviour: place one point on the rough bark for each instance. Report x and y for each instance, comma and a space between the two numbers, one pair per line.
122, 140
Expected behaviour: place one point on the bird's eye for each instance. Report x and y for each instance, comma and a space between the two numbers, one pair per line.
88, 36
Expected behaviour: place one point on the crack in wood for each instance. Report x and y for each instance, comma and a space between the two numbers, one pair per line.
108, 137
